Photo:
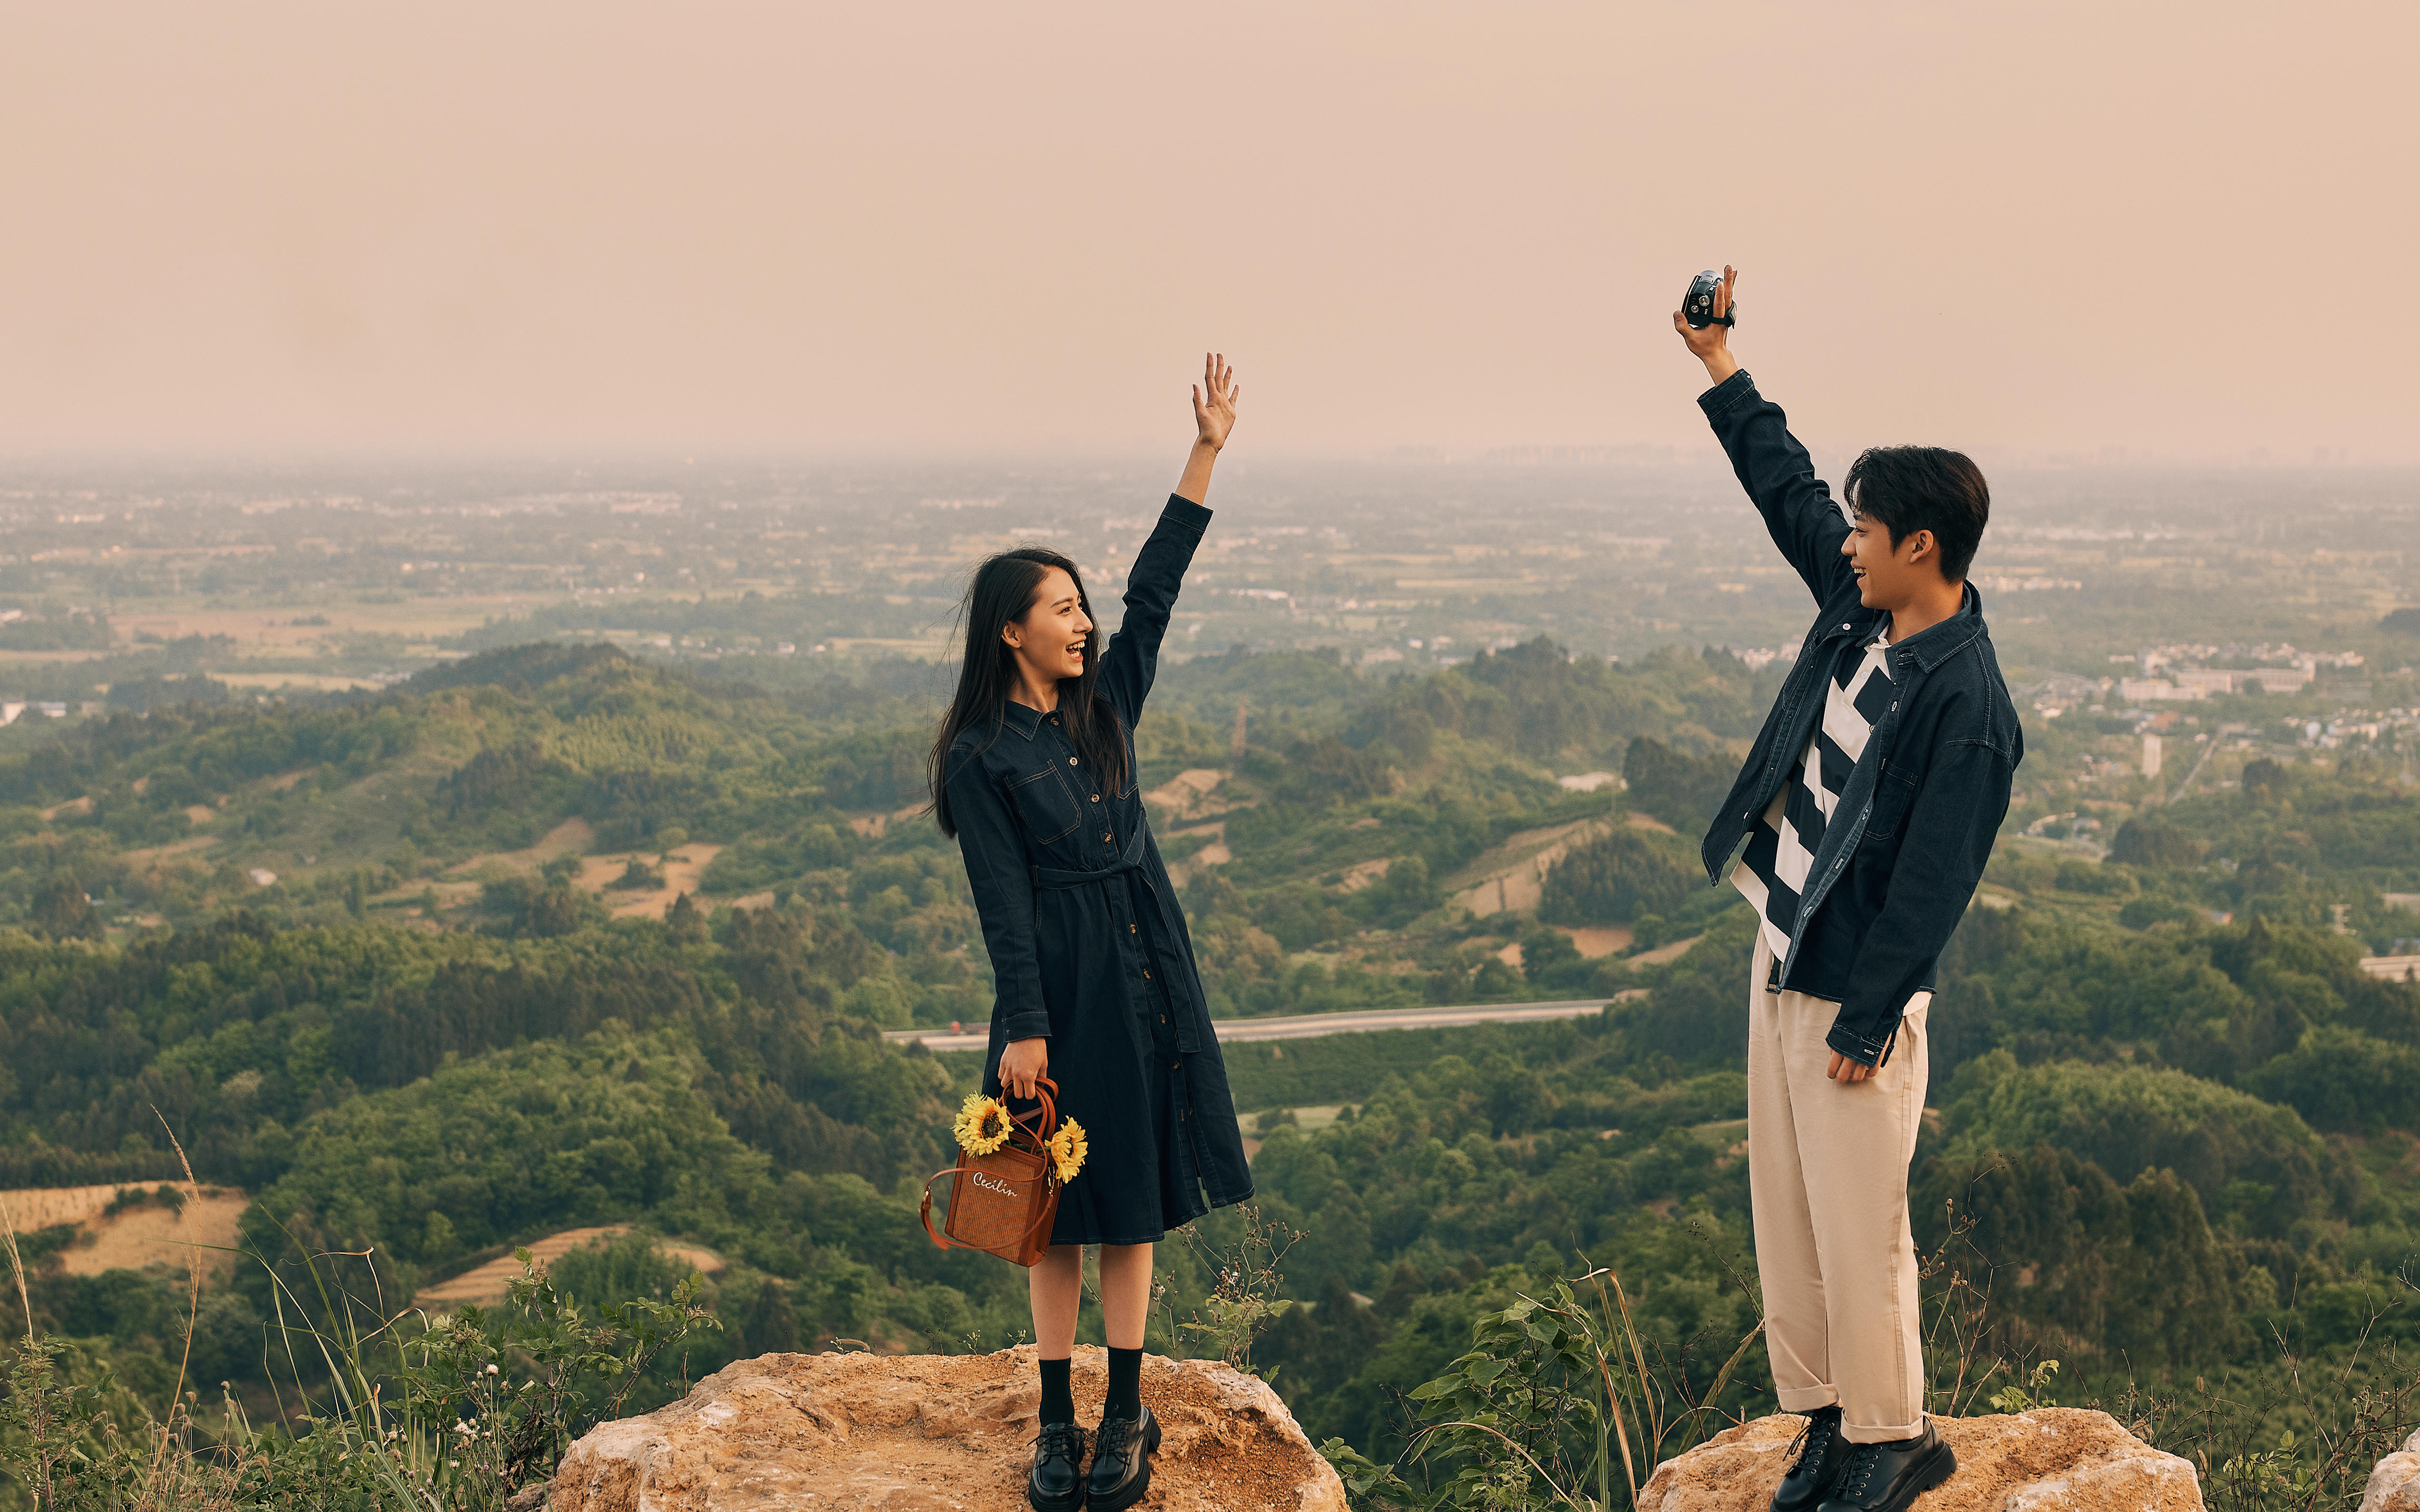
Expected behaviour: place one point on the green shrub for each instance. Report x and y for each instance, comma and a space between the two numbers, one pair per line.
2150, 841
2258, 1163
1682, 790
1615, 878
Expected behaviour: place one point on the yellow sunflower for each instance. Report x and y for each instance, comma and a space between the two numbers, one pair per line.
983, 1125
1068, 1149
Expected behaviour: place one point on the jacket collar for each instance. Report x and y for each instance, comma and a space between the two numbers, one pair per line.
1929, 648
1020, 717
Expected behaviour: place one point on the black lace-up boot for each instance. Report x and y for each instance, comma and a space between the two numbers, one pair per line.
1821, 1453
1122, 1462
1887, 1478
1056, 1483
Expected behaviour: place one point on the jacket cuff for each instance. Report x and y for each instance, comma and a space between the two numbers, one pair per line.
1184, 512
1031, 1024
1730, 391
1864, 1049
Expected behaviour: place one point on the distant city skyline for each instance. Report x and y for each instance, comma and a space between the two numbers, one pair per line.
2064, 231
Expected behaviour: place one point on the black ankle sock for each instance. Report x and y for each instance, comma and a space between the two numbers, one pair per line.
1125, 1384
1058, 1403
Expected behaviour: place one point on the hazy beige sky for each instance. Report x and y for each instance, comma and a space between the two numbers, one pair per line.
2035, 228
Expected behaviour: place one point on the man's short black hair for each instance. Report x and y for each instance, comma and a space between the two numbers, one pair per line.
1911, 488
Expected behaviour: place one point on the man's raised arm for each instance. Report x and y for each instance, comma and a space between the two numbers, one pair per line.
1775, 470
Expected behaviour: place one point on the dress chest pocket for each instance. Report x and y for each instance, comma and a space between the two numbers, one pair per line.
1046, 804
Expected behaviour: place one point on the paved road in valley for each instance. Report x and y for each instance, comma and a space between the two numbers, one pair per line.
1311, 1026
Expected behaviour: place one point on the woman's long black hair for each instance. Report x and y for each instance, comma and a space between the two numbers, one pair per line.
1002, 590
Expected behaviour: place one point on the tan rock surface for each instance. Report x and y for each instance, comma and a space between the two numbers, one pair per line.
2053, 1457
2395, 1483
931, 1433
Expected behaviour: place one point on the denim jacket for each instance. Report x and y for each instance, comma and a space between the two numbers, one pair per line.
1905, 849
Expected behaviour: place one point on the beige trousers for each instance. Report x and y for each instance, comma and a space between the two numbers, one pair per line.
1827, 1178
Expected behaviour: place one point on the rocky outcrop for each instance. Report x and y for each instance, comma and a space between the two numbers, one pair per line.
2052, 1458
2394, 1484
931, 1433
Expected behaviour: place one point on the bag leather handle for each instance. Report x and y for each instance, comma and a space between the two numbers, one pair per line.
1042, 1122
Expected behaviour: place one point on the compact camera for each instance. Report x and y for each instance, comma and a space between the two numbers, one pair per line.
1698, 305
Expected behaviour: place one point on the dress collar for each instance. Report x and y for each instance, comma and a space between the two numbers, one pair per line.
1020, 717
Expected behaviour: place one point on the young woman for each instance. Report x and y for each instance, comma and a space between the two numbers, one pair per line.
1034, 775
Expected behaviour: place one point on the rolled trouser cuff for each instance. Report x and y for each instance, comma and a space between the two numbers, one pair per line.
1805, 1400
1868, 1433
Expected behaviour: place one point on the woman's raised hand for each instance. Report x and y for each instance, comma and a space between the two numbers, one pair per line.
1214, 416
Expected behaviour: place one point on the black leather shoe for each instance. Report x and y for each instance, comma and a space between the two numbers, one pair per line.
1056, 1482
1822, 1452
1887, 1477
1122, 1462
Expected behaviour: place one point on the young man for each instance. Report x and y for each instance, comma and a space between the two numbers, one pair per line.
1868, 805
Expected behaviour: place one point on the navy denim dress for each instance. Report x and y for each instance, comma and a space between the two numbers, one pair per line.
1088, 946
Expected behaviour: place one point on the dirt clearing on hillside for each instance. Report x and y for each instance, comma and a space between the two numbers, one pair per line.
486, 1284
681, 872
147, 1234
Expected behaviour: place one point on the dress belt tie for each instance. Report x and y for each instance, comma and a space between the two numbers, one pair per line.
1058, 877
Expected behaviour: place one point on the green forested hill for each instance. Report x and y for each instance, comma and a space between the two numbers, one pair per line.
2173, 1119
433, 804
2156, 1216
237, 1034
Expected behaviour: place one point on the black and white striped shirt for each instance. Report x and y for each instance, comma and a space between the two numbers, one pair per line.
1771, 872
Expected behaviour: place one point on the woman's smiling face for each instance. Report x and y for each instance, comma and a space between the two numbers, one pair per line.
1050, 640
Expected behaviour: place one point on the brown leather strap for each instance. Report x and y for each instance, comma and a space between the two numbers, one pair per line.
938, 1243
